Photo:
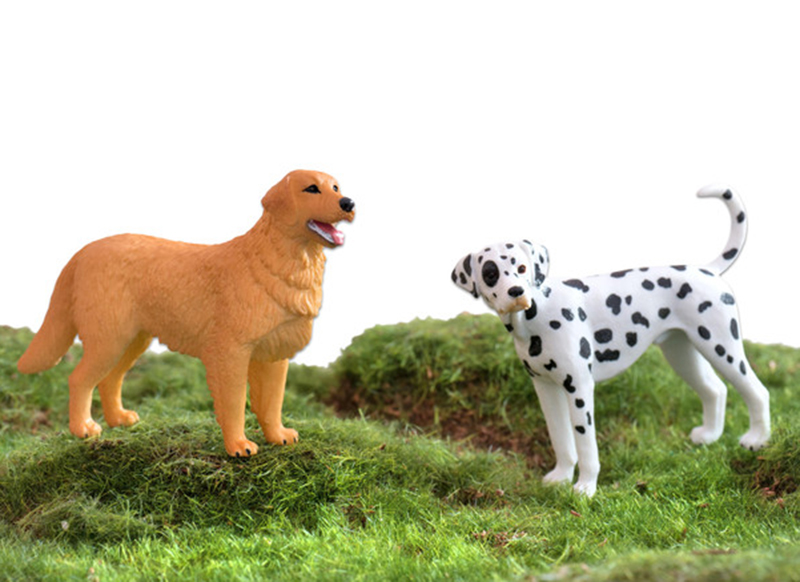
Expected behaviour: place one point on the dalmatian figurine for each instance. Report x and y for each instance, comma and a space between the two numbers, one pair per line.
571, 334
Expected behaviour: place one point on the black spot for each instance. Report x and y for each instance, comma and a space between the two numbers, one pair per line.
530, 313
539, 276
453, 276
555, 324
603, 336
740, 218
581, 314
644, 269
664, 312
620, 274
567, 314
679, 267
742, 368
728, 255
509, 328
727, 299
720, 349
580, 429
568, 384
684, 291
614, 303
704, 333
528, 369
734, 329
490, 273
468, 265
509, 246
589, 418
535, 348
703, 306
727, 195
730, 359
550, 366
664, 282
648, 284
463, 278
546, 291
631, 338
586, 349
628, 299
639, 319
580, 403
607, 356
577, 284
707, 272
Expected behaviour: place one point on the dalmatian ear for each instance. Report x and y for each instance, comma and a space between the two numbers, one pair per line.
539, 258
463, 275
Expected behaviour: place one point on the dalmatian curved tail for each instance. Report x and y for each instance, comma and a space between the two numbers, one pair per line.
738, 226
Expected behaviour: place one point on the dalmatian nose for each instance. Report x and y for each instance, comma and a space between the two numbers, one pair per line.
346, 204
516, 291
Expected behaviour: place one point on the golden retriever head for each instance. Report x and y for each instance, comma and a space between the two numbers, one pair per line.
306, 205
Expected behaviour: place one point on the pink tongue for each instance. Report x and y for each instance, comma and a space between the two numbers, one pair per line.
336, 235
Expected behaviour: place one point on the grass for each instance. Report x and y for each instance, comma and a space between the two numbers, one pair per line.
388, 488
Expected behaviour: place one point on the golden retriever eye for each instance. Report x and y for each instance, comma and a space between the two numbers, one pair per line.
312, 189
335, 188
521, 269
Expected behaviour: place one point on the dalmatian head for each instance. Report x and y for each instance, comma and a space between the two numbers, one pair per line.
504, 275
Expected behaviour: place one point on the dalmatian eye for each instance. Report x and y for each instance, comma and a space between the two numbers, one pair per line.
313, 189
521, 269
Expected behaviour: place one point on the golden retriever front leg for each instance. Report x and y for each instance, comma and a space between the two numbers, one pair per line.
267, 386
226, 374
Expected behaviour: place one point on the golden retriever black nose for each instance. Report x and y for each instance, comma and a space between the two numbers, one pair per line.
346, 204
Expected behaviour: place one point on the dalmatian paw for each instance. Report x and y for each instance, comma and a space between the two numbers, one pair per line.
559, 475
754, 439
701, 435
587, 488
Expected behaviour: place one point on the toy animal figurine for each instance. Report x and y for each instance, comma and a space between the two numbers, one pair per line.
571, 334
243, 307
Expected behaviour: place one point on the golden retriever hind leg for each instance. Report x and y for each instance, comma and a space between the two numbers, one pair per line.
111, 387
267, 386
226, 374
99, 358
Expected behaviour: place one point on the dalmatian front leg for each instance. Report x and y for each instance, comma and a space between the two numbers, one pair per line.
553, 400
580, 397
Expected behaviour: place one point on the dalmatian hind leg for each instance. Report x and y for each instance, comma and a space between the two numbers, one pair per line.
695, 362
568, 410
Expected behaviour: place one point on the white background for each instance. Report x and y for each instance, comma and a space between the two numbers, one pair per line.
584, 126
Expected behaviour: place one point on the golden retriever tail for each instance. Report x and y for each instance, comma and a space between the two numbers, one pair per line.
58, 331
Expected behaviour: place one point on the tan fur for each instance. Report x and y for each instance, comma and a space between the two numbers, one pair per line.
243, 307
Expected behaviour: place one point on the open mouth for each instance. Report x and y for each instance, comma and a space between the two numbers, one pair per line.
327, 231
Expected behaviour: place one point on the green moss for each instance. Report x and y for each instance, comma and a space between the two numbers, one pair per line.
358, 499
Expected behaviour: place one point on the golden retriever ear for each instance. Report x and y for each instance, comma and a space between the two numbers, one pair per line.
279, 200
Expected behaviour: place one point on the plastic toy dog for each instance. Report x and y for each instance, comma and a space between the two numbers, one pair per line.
243, 307
571, 334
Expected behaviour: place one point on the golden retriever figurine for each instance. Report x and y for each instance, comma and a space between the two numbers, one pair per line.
243, 307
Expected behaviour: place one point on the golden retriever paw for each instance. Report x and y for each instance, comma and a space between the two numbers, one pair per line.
282, 436
85, 429
241, 448
122, 418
